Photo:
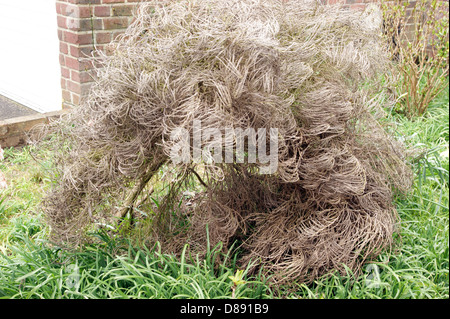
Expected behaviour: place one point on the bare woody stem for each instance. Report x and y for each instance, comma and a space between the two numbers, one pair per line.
137, 189
199, 178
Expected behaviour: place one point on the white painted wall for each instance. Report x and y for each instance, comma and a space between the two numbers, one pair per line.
29, 54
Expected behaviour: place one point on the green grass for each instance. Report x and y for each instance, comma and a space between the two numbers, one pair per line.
113, 270
27, 179
30, 267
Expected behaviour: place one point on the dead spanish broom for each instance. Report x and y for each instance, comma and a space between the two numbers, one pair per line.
297, 66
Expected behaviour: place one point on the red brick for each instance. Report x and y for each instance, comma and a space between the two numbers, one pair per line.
122, 10
76, 38
81, 76
85, 12
115, 23
72, 11
72, 63
70, 37
74, 87
65, 73
75, 24
75, 75
66, 96
84, 1
61, 8
103, 37
97, 24
86, 64
82, 52
62, 59
113, 1
63, 48
75, 51
86, 77
102, 11
61, 21
75, 99
63, 83
90, 24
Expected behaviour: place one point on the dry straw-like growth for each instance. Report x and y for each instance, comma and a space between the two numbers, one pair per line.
298, 66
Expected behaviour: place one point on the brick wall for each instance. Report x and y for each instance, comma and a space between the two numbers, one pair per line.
85, 25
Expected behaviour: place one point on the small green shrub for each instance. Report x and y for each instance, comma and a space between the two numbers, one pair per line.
417, 34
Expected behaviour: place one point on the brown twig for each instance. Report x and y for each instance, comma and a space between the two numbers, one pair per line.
137, 189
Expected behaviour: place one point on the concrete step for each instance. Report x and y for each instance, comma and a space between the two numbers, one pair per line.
10, 109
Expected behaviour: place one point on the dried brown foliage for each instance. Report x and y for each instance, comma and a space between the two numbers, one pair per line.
296, 66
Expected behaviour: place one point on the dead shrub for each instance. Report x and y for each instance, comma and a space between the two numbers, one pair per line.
297, 66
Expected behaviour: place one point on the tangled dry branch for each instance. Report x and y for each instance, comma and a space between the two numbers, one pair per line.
298, 66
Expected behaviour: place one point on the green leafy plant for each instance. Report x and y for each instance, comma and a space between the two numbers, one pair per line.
417, 34
237, 280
